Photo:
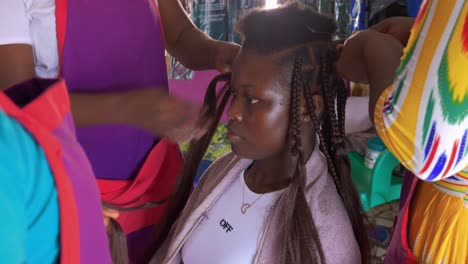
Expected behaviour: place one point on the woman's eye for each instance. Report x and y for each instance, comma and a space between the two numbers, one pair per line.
252, 100
232, 92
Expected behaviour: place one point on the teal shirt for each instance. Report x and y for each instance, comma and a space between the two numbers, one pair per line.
29, 214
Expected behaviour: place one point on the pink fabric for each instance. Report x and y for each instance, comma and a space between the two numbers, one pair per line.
194, 89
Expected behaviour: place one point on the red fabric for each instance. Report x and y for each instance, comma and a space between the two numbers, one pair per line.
154, 182
58, 105
61, 27
159, 15
410, 258
28, 117
431, 155
156, 177
465, 35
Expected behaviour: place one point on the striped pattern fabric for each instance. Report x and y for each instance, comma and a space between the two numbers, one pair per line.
422, 117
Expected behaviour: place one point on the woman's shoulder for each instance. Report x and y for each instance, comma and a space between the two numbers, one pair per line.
211, 179
219, 168
333, 223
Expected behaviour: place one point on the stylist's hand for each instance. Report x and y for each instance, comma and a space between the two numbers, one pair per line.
397, 27
365, 49
167, 116
224, 55
109, 213
350, 65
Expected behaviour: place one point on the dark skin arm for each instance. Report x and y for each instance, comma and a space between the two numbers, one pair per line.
16, 64
370, 57
187, 44
193, 48
148, 108
397, 27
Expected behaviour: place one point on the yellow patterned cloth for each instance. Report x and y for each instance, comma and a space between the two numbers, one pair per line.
438, 230
423, 120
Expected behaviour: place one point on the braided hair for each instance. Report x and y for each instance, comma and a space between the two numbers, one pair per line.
267, 32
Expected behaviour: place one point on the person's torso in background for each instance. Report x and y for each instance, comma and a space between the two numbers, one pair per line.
118, 47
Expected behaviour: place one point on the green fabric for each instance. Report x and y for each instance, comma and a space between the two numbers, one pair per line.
219, 145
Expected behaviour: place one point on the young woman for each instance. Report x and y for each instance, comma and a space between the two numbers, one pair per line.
285, 194
420, 110
111, 54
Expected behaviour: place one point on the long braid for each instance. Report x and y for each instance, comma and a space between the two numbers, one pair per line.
295, 122
340, 94
329, 91
325, 151
322, 130
338, 161
301, 243
215, 103
341, 106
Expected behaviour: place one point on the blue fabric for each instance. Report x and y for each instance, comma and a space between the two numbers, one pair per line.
29, 214
413, 7
204, 164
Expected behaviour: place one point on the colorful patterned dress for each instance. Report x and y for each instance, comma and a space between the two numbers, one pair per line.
423, 120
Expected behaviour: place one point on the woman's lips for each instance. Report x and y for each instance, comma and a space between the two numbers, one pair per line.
232, 136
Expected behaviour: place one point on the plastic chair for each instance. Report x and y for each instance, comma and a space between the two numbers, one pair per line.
379, 185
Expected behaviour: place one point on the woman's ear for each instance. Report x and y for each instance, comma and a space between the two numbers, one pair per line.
317, 101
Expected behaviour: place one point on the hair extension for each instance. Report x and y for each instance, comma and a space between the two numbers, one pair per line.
294, 26
215, 104
306, 246
116, 236
338, 162
117, 243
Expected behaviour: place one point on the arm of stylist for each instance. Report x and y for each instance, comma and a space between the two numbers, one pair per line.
370, 57
403, 108
151, 109
167, 116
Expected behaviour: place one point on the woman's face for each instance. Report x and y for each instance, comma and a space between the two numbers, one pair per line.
259, 112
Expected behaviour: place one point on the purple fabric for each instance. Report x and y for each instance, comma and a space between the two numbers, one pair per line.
94, 246
408, 178
138, 242
111, 46
396, 254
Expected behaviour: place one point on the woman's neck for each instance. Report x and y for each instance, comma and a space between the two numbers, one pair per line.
272, 174
268, 175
